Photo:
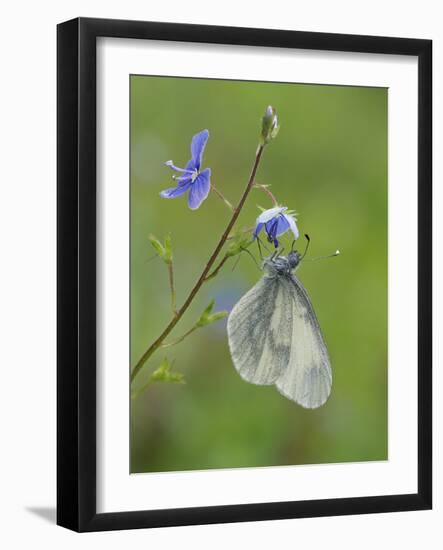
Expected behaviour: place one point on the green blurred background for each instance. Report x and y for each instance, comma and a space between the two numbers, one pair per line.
329, 164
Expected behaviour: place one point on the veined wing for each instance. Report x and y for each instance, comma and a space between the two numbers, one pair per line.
260, 331
307, 380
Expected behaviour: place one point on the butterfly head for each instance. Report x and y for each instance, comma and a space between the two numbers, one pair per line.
282, 265
294, 258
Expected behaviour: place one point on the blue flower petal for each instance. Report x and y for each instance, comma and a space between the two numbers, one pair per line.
190, 167
175, 192
267, 215
258, 228
282, 225
199, 189
197, 147
276, 227
271, 230
292, 225
183, 180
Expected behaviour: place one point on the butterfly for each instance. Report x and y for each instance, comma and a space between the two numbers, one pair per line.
275, 338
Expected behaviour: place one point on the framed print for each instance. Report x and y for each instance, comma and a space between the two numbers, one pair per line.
244, 274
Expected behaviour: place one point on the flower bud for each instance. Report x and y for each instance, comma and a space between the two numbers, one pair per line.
207, 317
270, 125
163, 374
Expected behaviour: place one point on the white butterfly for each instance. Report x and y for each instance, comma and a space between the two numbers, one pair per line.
275, 338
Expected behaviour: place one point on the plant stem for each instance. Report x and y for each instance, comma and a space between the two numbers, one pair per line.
236, 212
223, 198
266, 189
174, 342
215, 271
172, 287
139, 392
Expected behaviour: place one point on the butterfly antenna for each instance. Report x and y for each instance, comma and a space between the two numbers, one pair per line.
336, 253
308, 242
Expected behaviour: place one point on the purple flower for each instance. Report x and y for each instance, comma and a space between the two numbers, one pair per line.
275, 222
192, 180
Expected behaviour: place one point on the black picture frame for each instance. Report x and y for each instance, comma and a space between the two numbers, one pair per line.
76, 265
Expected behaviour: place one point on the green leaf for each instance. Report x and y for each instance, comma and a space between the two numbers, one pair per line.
164, 251
157, 245
206, 313
207, 317
217, 316
163, 374
237, 244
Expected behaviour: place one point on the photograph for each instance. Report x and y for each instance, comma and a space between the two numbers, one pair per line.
221, 256
258, 274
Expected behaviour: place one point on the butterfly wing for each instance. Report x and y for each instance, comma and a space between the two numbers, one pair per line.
307, 380
260, 331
